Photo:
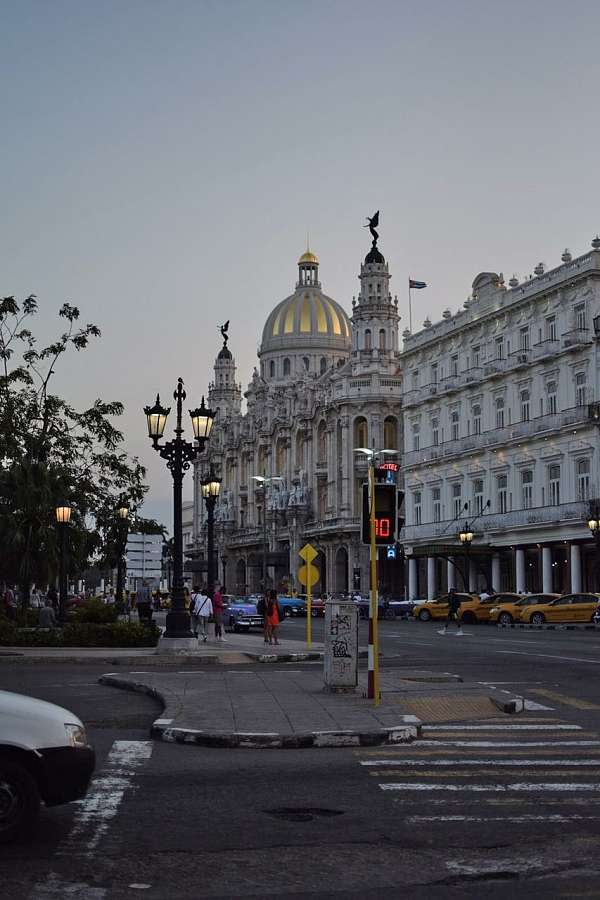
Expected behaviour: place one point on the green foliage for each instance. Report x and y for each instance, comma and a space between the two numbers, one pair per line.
94, 611
116, 634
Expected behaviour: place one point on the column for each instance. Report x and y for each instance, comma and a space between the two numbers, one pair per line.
496, 572
575, 568
520, 570
431, 585
547, 570
412, 578
451, 573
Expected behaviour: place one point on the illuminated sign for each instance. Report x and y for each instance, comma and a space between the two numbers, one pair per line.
385, 514
389, 467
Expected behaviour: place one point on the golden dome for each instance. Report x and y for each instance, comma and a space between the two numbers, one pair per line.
308, 318
308, 257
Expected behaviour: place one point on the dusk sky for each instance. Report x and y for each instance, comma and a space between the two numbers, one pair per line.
162, 163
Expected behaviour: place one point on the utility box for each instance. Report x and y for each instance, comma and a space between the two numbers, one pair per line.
340, 657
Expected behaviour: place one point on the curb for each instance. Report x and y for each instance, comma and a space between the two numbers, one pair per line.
546, 627
404, 733
507, 704
284, 657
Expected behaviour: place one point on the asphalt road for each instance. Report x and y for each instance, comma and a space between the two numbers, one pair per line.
494, 811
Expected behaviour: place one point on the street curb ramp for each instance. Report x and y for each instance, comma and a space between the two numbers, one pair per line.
407, 730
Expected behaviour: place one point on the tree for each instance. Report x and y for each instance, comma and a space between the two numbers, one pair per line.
49, 451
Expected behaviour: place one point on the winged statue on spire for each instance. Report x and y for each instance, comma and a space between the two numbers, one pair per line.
373, 224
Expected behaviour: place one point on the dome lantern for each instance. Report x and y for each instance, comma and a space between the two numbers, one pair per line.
308, 269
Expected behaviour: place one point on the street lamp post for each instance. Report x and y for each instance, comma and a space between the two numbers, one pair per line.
466, 537
263, 481
224, 563
63, 517
211, 486
122, 529
594, 526
179, 454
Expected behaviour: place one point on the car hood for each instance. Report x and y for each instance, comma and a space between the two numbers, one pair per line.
247, 608
31, 723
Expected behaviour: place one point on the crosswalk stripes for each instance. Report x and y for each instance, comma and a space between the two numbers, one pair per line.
516, 773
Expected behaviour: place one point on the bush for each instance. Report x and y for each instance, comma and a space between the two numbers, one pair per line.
81, 634
94, 611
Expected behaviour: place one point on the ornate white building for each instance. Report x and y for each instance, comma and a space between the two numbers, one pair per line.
501, 416
326, 383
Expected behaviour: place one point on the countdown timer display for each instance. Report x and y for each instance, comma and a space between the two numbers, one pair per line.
385, 514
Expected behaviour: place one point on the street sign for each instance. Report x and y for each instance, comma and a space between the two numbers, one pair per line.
308, 553
308, 575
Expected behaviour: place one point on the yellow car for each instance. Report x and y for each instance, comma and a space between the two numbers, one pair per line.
478, 609
508, 611
438, 608
570, 608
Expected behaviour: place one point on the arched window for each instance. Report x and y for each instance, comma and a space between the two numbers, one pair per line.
361, 432
368, 339
454, 425
499, 412
286, 366
390, 433
322, 442
306, 363
382, 338
272, 368
323, 365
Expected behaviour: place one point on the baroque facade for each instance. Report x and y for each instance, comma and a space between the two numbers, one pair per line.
326, 383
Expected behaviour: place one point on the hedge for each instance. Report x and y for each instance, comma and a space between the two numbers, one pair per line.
116, 634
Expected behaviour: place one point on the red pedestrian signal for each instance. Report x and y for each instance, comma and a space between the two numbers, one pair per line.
385, 514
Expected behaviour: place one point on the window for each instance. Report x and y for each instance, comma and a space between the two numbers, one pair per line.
527, 488
437, 504
477, 419
502, 493
454, 425
415, 378
323, 365
361, 432
478, 496
550, 328
417, 507
500, 347
524, 338
286, 366
580, 317
435, 432
272, 368
583, 479
457, 505
454, 366
382, 338
499, 404
390, 433
554, 485
434, 373
306, 363
416, 436
475, 357
580, 389
368, 339
525, 406
551, 398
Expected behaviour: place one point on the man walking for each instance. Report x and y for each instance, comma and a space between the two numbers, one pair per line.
201, 611
453, 613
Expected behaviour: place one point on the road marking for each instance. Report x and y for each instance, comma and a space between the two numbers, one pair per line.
518, 786
105, 795
595, 662
444, 728
567, 701
531, 704
478, 744
551, 817
543, 772
481, 762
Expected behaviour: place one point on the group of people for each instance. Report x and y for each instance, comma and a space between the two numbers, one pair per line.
203, 606
268, 607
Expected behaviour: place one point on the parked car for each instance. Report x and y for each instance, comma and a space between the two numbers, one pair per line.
388, 609
508, 611
292, 606
241, 615
570, 608
44, 756
438, 608
478, 610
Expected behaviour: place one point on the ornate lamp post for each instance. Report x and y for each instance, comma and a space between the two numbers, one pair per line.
211, 487
594, 526
263, 481
122, 529
466, 537
63, 517
179, 454
224, 564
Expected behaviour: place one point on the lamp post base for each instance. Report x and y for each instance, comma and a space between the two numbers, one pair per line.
178, 624
177, 646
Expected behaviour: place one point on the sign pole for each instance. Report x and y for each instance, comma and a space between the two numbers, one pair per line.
309, 614
308, 575
373, 675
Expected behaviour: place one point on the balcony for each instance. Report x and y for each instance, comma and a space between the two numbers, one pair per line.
543, 349
451, 383
578, 337
495, 367
471, 376
518, 358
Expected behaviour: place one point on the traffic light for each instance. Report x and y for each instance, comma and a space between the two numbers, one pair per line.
385, 514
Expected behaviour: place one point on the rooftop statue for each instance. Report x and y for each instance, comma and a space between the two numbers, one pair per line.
373, 224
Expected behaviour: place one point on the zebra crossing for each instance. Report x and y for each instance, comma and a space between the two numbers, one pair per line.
522, 773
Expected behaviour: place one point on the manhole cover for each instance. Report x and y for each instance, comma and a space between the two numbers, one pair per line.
302, 813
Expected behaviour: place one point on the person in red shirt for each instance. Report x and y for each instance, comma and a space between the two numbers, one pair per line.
217, 604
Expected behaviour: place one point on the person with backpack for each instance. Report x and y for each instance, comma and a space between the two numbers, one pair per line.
453, 613
261, 609
201, 609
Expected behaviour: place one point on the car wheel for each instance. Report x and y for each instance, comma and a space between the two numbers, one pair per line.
424, 615
538, 618
19, 800
505, 618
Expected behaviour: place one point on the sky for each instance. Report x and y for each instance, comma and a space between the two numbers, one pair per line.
162, 163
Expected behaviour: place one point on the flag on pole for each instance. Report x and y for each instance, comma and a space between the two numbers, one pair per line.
417, 285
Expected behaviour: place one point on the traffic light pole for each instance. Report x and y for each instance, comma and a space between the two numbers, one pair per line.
373, 692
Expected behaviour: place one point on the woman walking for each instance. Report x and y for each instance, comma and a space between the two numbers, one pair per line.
274, 617
217, 605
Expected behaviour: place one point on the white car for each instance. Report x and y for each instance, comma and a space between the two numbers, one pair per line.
44, 755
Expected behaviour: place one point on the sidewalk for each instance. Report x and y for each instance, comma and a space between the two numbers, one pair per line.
290, 709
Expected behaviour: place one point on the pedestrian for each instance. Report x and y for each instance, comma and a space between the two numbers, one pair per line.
47, 616
261, 609
453, 613
53, 597
274, 616
202, 609
217, 605
109, 600
144, 602
10, 603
